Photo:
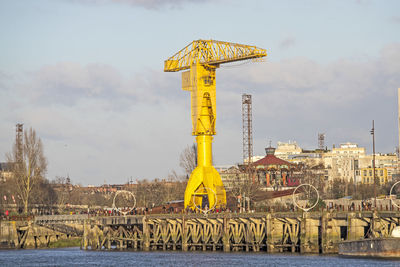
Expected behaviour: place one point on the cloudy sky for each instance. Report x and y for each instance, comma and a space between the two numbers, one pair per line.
88, 76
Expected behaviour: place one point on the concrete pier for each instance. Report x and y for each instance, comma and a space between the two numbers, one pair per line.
41, 231
313, 232
22, 234
272, 232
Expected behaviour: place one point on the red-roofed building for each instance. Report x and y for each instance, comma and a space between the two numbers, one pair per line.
275, 172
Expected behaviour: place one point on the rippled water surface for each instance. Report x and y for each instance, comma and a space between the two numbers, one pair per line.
77, 257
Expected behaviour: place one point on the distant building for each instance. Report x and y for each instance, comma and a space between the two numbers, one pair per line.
388, 162
293, 153
348, 148
346, 163
349, 161
273, 171
286, 150
232, 176
253, 159
5, 171
343, 162
367, 175
103, 189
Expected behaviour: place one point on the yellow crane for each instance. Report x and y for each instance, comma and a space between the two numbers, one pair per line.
201, 58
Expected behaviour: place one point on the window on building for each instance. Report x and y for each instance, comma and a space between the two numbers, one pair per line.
370, 173
381, 172
365, 172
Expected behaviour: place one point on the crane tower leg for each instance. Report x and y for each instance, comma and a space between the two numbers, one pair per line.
204, 181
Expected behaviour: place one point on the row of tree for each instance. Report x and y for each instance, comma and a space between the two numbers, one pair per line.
29, 185
147, 193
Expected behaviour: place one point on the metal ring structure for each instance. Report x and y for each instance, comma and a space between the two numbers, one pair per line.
207, 210
390, 194
124, 192
294, 200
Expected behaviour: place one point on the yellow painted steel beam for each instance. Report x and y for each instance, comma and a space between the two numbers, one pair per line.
201, 58
211, 52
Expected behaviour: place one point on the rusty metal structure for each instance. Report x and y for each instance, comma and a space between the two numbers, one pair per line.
373, 159
19, 132
247, 119
321, 141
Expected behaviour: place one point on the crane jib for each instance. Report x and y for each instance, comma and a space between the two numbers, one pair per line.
211, 52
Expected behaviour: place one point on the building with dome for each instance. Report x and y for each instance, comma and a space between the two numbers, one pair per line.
272, 171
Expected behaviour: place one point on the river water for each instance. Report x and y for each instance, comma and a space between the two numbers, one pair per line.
77, 257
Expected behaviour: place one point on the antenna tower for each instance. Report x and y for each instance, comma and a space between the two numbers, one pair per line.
321, 141
19, 130
247, 132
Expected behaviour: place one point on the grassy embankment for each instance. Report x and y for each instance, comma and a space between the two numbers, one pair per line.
64, 243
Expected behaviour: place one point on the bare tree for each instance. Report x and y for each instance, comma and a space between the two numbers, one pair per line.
338, 188
243, 188
28, 165
43, 193
64, 190
188, 159
313, 174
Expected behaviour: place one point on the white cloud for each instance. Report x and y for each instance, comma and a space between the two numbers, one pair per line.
68, 82
98, 125
395, 19
297, 98
148, 4
287, 43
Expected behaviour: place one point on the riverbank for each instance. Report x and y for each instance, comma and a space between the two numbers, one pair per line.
27, 234
61, 243
66, 243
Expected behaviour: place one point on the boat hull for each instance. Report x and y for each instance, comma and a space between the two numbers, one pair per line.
378, 247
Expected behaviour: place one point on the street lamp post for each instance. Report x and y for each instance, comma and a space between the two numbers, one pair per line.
373, 159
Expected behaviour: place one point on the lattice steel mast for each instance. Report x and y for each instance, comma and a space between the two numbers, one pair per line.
19, 130
321, 141
247, 133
